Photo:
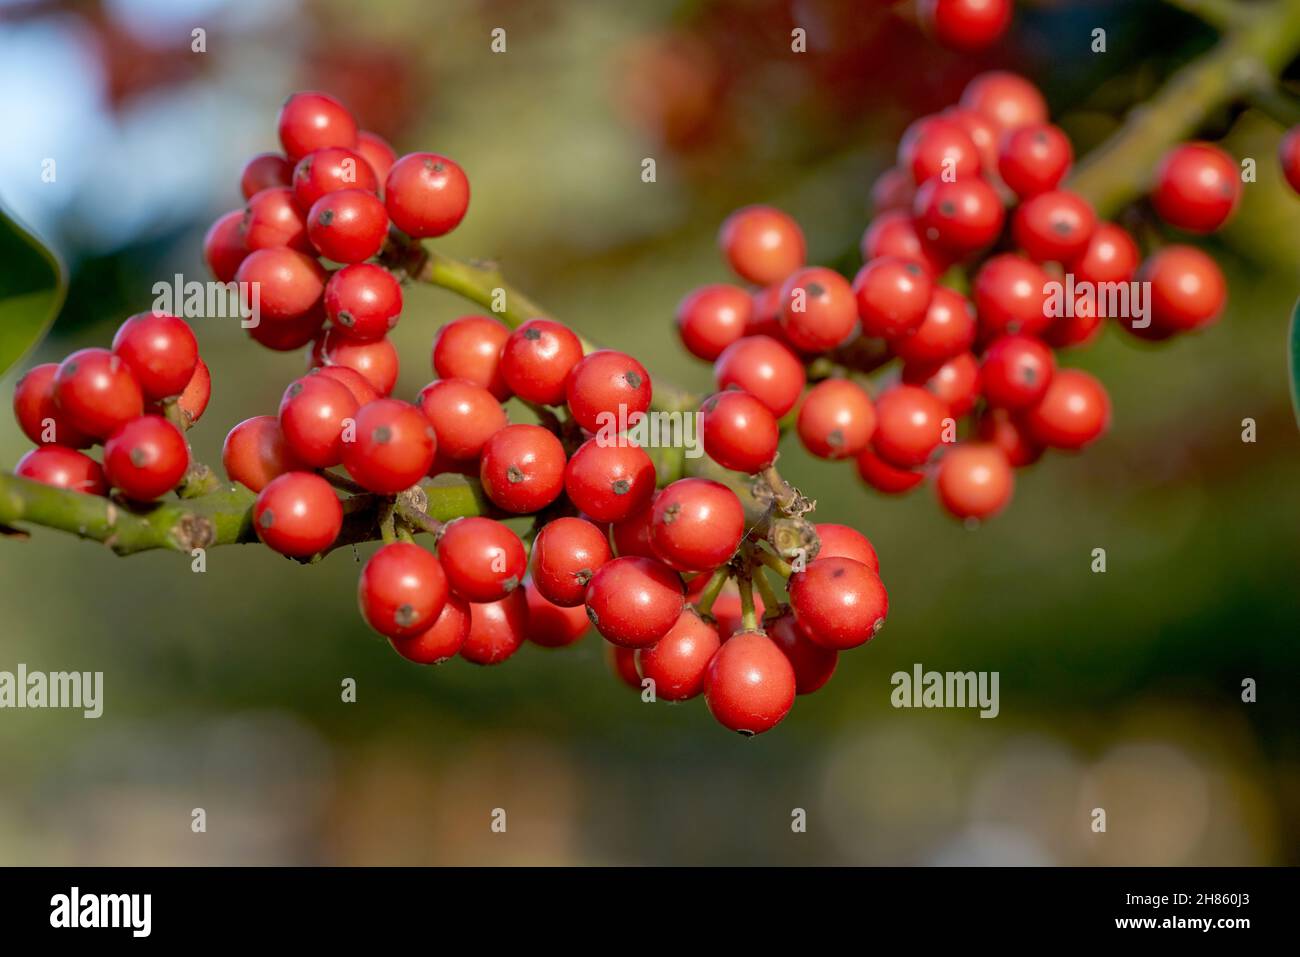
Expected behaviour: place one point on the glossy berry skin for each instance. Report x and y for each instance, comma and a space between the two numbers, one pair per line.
713, 317
1010, 296
836, 419
402, 590
483, 559
1074, 412
948, 329
497, 629
841, 541
955, 381
290, 284
255, 452
566, 554
609, 482
146, 458
818, 311
377, 152
696, 524
632, 535
1055, 225
313, 121
892, 296
273, 220
522, 468
376, 360
975, 480
160, 351
441, 640
813, 665
982, 132
355, 382
750, 684
96, 392
347, 226
909, 425
893, 233
934, 146
961, 217
622, 662
464, 416
606, 389
223, 245
738, 431
678, 662
839, 603
313, 414
426, 195
1009, 101
1111, 256
761, 244
1016, 371
536, 360
193, 400
264, 171
886, 478
1034, 159
634, 601
297, 514
1288, 157
39, 416
364, 301
1188, 290
765, 369
1197, 187
728, 613
470, 348
1005, 430
289, 334
551, 625
966, 25
330, 170
392, 448
64, 468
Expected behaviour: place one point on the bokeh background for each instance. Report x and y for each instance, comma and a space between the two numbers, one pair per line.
222, 690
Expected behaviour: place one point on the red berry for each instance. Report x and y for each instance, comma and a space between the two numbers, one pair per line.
738, 431
1188, 290
622, 661
255, 452
894, 233
606, 390
1055, 225
264, 171
483, 559
1008, 100
840, 603
892, 296
955, 381
817, 309
1288, 157
884, 477
974, 480
377, 152
1076, 326
289, 334
750, 684
765, 369
678, 662
1074, 411
836, 419
63, 468
193, 400
470, 348
947, 330
813, 665
297, 514
402, 590
966, 25
376, 361
347, 226
959, 217
935, 146
632, 535
288, 284
496, 629
272, 220
314, 412
355, 382
439, 641
522, 468
1197, 187
1007, 432
982, 132
97, 392
146, 458
363, 300
761, 244
609, 482
1111, 256
464, 416
223, 245
727, 611
38, 414
551, 625
313, 121
426, 195
634, 601
1016, 371
536, 360
330, 170
909, 425
712, 318
893, 189
697, 524
393, 446
161, 352
1034, 159
566, 554
840, 541
1011, 296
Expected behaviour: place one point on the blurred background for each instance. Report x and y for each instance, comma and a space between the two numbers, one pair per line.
222, 691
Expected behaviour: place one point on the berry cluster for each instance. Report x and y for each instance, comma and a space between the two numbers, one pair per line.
979, 267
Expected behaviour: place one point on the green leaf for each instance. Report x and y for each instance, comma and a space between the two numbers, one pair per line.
33, 283
1294, 360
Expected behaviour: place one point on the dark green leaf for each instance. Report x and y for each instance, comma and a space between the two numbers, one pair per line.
33, 283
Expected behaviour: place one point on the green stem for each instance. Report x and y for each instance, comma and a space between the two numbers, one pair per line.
771, 603
748, 616
704, 604
778, 565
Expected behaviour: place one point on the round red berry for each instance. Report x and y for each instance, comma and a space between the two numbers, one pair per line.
1288, 157
146, 458
1011, 296
884, 477
223, 245
632, 535
160, 350
836, 419
355, 382
966, 25
314, 412
1055, 225
288, 284
330, 170
536, 360
935, 146
1007, 100
909, 425
1197, 187
894, 233
376, 361
622, 662
392, 447
551, 625
441, 640
955, 381
1188, 290
497, 629
974, 480
813, 665
712, 318
609, 482
363, 300
1073, 412
97, 392
678, 661
566, 554
1034, 159
464, 416
1111, 257
840, 603
750, 684
959, 217
634, 601
762, 244
297, 514
273, 220
63, 468
255, 452
739, 432
607, 390
264, 171
193, 400
347, 226
402, 590
840, 541
426, 195
1016, 371
377, 152
38, 414
697, 524
892, 296
765, 369
522, 468
313, 121
289, 334
818, 311
484, 560
893, 189
947, 330
1005, 430
470, 348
